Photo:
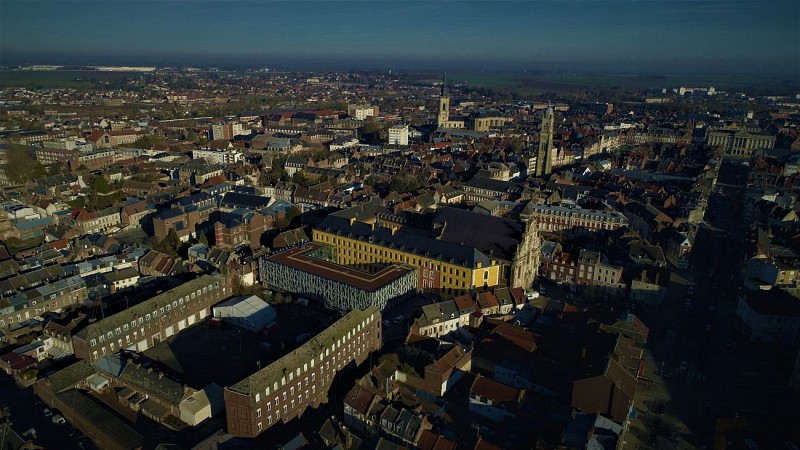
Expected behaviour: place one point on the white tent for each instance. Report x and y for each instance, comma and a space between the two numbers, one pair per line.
250, 313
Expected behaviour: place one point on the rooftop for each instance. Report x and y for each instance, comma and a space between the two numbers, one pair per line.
303, 354
298, 258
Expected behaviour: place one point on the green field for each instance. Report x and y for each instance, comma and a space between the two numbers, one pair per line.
58, 79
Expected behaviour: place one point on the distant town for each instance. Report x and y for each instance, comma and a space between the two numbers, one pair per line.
207, 258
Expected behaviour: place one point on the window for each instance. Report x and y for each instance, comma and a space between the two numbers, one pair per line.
277, 401
269, 406
260, 427
258, 412
93, 342
258, 397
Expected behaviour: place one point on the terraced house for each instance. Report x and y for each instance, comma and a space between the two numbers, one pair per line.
301, 379
33, 302
144, 325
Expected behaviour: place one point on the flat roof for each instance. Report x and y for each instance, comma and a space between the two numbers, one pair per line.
298, 258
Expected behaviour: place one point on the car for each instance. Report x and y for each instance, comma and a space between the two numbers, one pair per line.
690, 290
386, 323
684, 366
59, 419
543, 290
708, 328
47, 412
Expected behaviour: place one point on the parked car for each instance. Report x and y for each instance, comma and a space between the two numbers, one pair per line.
47, 412
386, 323
58, 418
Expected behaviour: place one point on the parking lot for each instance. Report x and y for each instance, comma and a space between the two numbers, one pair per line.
27, 412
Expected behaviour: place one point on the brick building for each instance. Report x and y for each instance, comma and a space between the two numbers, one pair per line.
144, 325
301, 379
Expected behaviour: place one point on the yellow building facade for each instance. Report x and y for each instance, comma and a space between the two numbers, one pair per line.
436, 271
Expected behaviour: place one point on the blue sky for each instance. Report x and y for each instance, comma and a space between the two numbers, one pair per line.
693, 35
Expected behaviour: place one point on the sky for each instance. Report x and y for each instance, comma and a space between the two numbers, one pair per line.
622, 35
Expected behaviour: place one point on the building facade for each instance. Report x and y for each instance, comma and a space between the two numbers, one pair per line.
583, 221
284, 389
308, 271
152, 321
52, 297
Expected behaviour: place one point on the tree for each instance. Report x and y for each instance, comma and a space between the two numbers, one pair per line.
24, 169
100, 185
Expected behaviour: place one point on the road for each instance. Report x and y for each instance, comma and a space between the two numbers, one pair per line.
27, 412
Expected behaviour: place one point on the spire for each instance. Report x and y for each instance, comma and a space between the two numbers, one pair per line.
444, 84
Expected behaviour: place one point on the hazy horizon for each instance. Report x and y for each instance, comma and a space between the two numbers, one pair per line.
635, 36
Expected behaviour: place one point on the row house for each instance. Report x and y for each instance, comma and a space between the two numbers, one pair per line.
54, 296
60, 335
284, 389
281, 191
97, 222
142, 389
157, 264
152, 321
586, 268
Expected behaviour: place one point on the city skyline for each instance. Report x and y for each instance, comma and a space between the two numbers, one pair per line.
677, 35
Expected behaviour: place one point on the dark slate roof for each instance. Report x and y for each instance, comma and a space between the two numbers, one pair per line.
237, 199
490, 235
69, 376
443, 250
494, 185
169, 214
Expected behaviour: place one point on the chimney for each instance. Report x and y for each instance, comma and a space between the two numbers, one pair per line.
160, 375
149, 370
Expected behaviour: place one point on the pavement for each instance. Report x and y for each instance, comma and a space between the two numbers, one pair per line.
27, 411
701, 369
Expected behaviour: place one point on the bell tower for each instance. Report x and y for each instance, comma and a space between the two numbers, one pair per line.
544, 157
444, 105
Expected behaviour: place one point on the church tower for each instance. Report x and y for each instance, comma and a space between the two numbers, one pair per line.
544, 157
444, 105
